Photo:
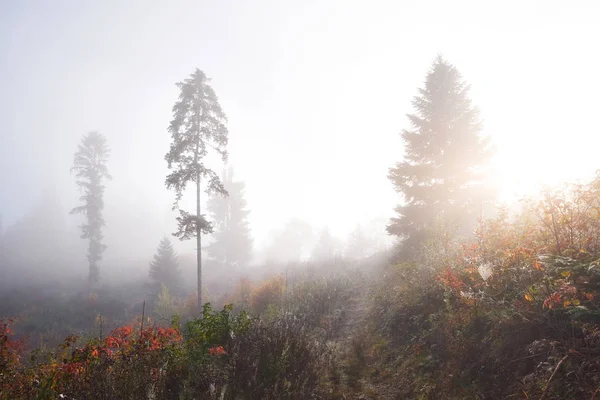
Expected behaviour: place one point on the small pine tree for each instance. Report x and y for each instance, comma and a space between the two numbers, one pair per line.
164, 267
166, 306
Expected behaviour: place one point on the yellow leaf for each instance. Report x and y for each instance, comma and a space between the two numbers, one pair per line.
528, 297
566, 274
566, 303
576, 302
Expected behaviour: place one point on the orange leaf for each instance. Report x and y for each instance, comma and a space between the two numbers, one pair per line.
589, 296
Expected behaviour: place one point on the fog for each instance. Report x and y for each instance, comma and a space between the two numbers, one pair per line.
315, 93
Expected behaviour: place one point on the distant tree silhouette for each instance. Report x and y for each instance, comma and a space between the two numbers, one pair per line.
45, 225
90, 170
232, 244
2, 262
198, 125
379, 239
442, 172
290, 243
359, 244
164, 267
326, 247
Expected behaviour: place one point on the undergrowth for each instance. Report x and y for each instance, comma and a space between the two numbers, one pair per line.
512, 314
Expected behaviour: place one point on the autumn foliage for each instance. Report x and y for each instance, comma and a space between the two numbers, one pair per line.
126, 361
505, 308
513, 312
232, 355
269, 292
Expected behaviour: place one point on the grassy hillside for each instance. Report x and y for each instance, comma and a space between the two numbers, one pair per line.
512, 314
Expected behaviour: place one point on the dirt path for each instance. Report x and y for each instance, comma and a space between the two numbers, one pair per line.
355, 317
352, 347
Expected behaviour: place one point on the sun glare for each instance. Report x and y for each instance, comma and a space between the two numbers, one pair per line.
523, 171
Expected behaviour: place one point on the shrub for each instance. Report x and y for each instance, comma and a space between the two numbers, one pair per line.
125, 364
239, 295
513, 313
10, 350
220, 355
321, 303
269, 292
167, 306
277, 360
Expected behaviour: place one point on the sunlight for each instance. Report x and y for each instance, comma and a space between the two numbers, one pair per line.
295, 200
524, 169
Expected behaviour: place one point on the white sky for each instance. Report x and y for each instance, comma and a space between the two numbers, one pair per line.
316, 93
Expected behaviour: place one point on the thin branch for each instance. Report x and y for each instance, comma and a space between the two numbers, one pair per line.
595, 392
525, 358
143, 316
552, 376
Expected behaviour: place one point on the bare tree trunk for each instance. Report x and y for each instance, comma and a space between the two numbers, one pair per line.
199, 243
91, 267
1, 242
555, 230
226, 228
89, 282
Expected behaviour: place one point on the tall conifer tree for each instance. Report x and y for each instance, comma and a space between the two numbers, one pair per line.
90, 170
232, 243
441, 177
198, 126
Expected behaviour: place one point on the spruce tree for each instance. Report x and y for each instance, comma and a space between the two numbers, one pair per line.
198, 126
442, 173
164, 267
90, 170
232, 244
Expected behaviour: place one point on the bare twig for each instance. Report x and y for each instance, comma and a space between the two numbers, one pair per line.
143, 316
552, 376
525, 358
594, 394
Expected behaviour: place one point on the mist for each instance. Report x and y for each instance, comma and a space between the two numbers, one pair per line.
360, 163
315, 95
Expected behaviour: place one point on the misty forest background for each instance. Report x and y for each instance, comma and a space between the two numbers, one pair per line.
111, 292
